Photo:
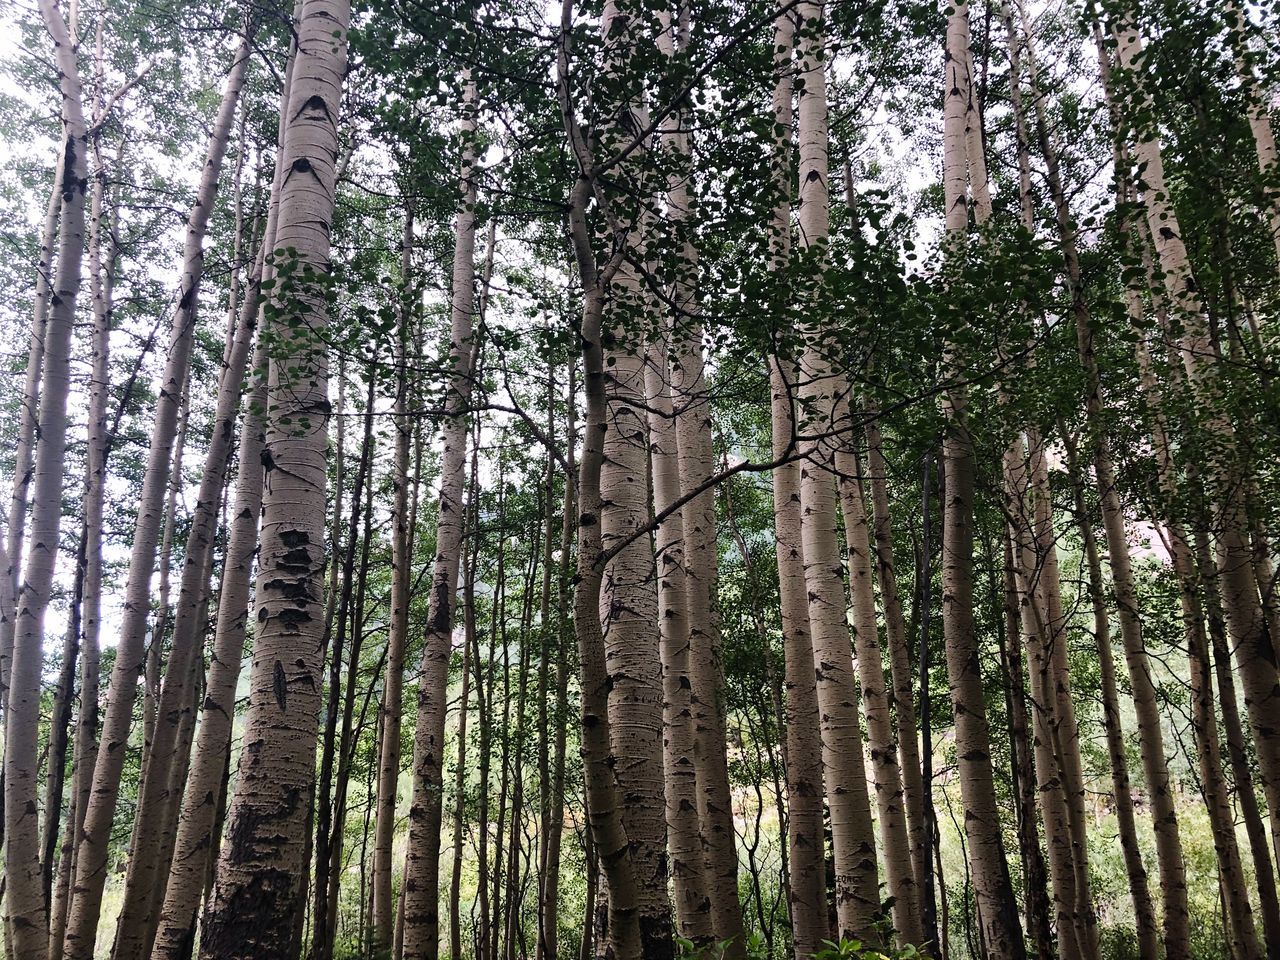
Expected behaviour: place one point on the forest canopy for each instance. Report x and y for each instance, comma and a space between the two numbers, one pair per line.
639, 479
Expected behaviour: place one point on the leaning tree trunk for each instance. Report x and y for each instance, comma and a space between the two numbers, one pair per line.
28, 417
1246, 619
997, 909
158, 806
91, 855
422, 862
26, 914
257, 890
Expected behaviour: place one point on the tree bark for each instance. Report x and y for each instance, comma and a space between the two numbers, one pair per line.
26, 913
679, 737
1035, 879
550, 907
805, 840
885, 771
91, 857
158, 805
997, 910
256, 893
853, 842
421, 873
401, 584
1246, 620
28, 418
1122, 793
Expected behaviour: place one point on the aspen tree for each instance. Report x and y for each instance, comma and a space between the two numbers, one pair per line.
1034, 876
157, 804
550, 895
1240, 591
886, 774
257, 888
857, 894
102, 269
692, 409
1036, 579
26, 914
900, 668
997, 910
622, 932
1135, 870
684, 838
401, 583
805, 840
627, 606
91, 856
421, 872
28, 422
195, 844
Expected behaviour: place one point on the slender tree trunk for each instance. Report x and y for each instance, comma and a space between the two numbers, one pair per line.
330, 835
549, 940
692, 428
256, 893
805, 834
1043, 632
1035, 879
91, 857
997, 909
924, 577
29, 409
158, 804
421, 874
1246, 619
545, 643
900, 669
1135, 870
679, 736
623, 932
853, 842
102, 283
26, 913
875, 702
401, 582
470, 643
